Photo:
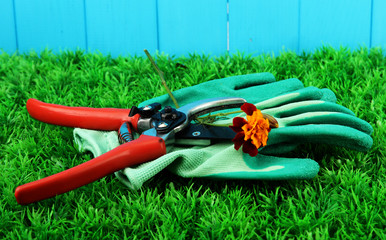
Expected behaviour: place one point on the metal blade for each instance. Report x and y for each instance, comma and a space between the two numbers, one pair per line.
204, 106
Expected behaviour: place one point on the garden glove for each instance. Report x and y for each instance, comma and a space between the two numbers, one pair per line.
223, 161
254, 88
302, 120
270, 168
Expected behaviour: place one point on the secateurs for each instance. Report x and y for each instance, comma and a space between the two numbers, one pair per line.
158, 129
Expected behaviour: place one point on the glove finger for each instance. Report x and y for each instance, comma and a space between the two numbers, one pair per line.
245, 81
260, 93
328, 95
280, 148
96, 142
224, 87
264, 167
135, 177
292, 109
326, 118
326, 134
223, 161
308, 93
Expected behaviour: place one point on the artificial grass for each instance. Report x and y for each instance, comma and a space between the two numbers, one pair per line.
346, 200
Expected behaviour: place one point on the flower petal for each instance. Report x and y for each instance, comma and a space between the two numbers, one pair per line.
238, 122
252, 132
248, 108
238, 140
249, 148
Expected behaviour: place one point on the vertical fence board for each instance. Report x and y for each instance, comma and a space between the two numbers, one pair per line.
57, 25
121, 27
379, 24
192, 26
336, 23
7, 27
263, 26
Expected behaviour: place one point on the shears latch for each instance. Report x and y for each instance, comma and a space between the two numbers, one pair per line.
167, 119
145, 112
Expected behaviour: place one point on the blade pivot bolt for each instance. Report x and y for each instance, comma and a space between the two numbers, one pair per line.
163, 125
195, 134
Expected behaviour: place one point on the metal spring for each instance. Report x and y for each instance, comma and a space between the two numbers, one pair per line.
124, 133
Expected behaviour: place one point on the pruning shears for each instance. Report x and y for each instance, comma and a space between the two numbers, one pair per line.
159, 129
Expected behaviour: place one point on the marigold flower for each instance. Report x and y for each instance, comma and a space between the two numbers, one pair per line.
251, 133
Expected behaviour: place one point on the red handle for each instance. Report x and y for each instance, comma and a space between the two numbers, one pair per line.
108, 119
144, 149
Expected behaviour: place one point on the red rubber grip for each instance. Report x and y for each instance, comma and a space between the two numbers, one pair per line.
108, 119
145, 148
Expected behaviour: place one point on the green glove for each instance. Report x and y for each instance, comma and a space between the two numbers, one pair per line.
222, 161
311, 121
254, 88
261, 88
209, 161
216, 161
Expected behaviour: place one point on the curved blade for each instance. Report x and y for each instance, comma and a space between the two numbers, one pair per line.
196, 109
204, 106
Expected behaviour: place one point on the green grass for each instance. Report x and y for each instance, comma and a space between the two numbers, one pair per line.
347, 200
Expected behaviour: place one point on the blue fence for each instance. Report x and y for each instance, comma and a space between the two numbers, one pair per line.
122, 27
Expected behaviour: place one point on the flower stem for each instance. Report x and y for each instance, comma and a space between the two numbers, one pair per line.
218, 115
211, 118
161, 75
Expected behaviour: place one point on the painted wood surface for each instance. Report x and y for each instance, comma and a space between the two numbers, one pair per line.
263, 26
8, 39
335, 23
181, 27
378, 36
121, 26
57, 25
192, 26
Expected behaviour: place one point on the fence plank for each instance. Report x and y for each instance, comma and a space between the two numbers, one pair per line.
335, 23
379, 24
263, 26
192, 26
121, 27
7, 27
57, 25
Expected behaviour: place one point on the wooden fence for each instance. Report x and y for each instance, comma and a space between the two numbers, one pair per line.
179, 27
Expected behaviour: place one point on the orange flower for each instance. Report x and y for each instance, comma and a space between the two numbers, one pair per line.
251, 133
